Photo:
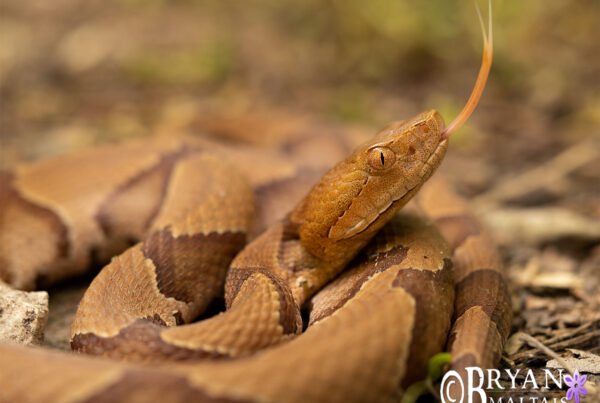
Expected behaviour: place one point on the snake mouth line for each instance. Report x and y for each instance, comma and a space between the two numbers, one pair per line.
442, 145
362, 225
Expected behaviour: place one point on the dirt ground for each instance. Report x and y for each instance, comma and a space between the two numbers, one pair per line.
76, 74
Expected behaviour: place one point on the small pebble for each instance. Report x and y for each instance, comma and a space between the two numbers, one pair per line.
23, 315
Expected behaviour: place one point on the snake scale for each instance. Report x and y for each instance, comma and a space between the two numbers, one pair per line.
336, 297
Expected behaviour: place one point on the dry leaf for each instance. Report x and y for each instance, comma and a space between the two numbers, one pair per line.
513, 344
539, 225
559, 280
587, 362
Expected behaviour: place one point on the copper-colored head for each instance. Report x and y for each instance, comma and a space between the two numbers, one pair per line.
400, 158
360, 194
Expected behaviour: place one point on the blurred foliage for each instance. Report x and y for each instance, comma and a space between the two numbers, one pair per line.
212, 64
69, 64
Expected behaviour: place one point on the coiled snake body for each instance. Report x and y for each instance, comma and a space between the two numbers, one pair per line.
190, 201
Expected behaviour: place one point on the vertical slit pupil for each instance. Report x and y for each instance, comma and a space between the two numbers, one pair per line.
382, 159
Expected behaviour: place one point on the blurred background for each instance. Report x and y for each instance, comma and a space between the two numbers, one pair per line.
74, 74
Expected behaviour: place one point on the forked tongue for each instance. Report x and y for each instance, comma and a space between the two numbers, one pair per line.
484, 70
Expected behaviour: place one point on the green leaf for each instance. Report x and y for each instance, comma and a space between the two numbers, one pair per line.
436, 365
414, 391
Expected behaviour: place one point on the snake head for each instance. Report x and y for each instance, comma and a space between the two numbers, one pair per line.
360, 194
400, 158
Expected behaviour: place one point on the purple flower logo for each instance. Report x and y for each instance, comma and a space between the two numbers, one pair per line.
576, 387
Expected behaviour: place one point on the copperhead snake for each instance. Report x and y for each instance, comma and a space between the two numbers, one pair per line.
342, 298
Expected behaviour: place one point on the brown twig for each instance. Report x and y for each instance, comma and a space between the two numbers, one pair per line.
546, 175
535, 343
570, 333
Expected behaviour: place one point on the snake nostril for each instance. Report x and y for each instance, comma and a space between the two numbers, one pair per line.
411, 150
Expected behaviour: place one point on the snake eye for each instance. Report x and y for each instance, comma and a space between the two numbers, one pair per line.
381, 158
